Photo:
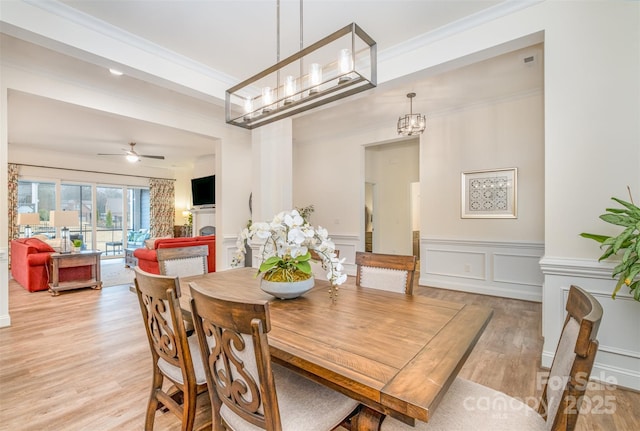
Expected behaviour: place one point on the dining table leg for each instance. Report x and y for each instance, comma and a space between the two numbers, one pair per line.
367, 419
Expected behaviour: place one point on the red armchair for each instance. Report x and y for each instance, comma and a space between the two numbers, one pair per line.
30, 259
148, 258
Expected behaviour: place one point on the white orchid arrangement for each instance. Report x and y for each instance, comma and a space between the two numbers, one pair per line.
286, 242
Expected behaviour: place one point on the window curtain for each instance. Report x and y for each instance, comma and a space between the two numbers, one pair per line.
12, 204
162, 212
12, 196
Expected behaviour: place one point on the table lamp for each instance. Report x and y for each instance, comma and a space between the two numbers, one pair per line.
26, 220
64, 219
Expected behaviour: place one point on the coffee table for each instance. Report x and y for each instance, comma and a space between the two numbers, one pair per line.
71, 260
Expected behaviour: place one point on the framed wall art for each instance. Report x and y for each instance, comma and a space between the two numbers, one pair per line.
489, 193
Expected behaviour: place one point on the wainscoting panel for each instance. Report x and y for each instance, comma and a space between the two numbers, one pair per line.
456, 263
500, 268
527, 266
618, 358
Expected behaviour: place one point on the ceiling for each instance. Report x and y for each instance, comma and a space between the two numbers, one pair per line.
233, 40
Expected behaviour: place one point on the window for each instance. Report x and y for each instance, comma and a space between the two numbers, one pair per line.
37, 197
107, 213
78, 197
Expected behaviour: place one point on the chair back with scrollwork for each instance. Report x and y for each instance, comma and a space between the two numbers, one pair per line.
234, 336
171, 349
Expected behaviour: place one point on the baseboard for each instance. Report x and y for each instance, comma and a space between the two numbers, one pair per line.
5, 321
509, 291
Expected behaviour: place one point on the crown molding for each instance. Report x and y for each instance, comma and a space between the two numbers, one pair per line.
502, 9
94, 24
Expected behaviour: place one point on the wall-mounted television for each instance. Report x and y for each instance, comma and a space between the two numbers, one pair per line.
203, 191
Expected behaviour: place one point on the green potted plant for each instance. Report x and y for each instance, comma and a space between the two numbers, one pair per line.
626, 245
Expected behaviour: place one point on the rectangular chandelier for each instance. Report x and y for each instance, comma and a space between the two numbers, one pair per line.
337, 66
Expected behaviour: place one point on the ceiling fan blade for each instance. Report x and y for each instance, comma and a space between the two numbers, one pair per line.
104, 154
152, 157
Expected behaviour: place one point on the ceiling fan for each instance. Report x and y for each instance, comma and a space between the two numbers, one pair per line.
131, 154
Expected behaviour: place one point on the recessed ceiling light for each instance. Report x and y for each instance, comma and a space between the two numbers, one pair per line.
115, 72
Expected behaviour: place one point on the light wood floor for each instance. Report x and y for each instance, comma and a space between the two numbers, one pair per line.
80, 361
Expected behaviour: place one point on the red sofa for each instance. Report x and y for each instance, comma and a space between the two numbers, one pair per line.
30, 259
148, 258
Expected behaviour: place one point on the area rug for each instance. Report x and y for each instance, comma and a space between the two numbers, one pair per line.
114, 273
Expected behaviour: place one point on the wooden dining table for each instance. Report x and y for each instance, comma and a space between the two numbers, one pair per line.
396, 354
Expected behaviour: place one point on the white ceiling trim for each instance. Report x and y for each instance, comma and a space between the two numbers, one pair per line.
26, 20
94, 24
223, 80
502, 9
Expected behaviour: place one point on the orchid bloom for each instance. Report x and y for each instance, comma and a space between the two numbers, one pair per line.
289, 237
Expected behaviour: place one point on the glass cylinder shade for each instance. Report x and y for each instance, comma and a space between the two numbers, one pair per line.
315, 77
267, 99
248, 107
289, 88
346, 65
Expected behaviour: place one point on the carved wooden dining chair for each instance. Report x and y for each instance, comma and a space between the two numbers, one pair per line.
250, 392
176, 357
469, 405
391, 272
183, 261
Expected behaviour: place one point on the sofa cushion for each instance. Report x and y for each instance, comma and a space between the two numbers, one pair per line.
150, 244
39, 245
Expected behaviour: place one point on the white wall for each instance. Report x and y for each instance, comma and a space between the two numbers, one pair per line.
591, 152
503, 134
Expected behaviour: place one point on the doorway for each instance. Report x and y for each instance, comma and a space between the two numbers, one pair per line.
390, 205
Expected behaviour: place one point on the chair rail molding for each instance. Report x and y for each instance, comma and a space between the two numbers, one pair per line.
501, 268
618, 358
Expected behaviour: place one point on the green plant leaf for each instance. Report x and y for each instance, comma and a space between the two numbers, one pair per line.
304, 258
618, 219
617, 211
621, 268
622, 238
608, 252
304, 266
634, 209
634, 270
627, 254
270, 263
617, 288
595, 237
635, 288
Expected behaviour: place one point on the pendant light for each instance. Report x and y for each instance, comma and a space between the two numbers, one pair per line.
411, 124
